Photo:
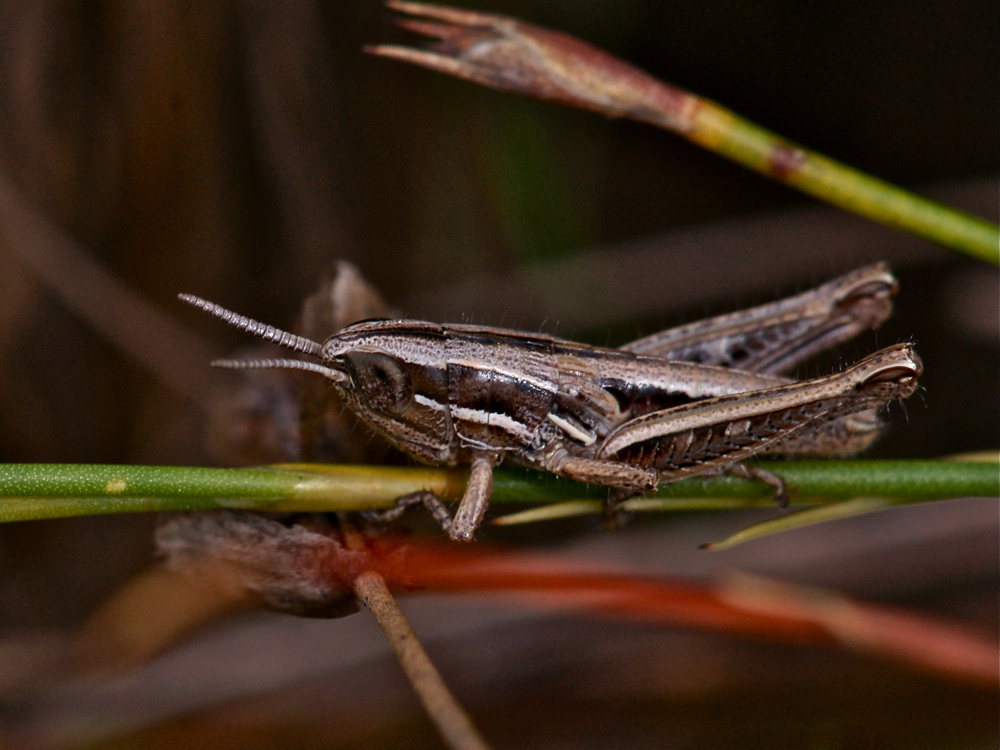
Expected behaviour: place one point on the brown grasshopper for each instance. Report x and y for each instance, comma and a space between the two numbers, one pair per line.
691, 400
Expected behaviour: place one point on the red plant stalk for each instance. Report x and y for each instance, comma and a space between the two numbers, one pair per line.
311, 568
743, 605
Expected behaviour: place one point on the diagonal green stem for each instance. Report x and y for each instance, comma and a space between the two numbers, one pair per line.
739, 139
511, 55
35, 491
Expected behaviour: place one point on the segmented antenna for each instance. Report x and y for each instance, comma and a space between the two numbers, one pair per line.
251, 326
280, 364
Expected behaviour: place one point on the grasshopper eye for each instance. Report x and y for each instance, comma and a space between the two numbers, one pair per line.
381, 381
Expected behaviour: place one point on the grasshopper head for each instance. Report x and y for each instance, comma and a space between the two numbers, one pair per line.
392, 373
396, 379
390, 364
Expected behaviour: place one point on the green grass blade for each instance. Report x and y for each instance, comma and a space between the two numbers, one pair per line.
799, 519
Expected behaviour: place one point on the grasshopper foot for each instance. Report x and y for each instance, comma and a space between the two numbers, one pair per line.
613, 517
428, 499
763, 475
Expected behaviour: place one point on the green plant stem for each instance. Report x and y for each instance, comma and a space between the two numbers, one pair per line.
35, 491
511, 55
741, 140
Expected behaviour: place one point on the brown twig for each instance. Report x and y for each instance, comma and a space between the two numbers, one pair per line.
102, 300
451, 719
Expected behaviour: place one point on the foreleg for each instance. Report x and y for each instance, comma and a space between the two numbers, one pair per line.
470, 511
428, 499
475, 500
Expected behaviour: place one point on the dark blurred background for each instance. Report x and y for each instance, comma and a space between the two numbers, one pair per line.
235, 150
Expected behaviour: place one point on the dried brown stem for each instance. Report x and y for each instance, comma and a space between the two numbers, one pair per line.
511, 55
451, 719
101, 299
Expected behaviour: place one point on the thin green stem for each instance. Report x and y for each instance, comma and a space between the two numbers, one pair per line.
741, 140
510, 55
35, 491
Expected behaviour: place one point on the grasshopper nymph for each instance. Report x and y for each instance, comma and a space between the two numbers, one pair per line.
691, 400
